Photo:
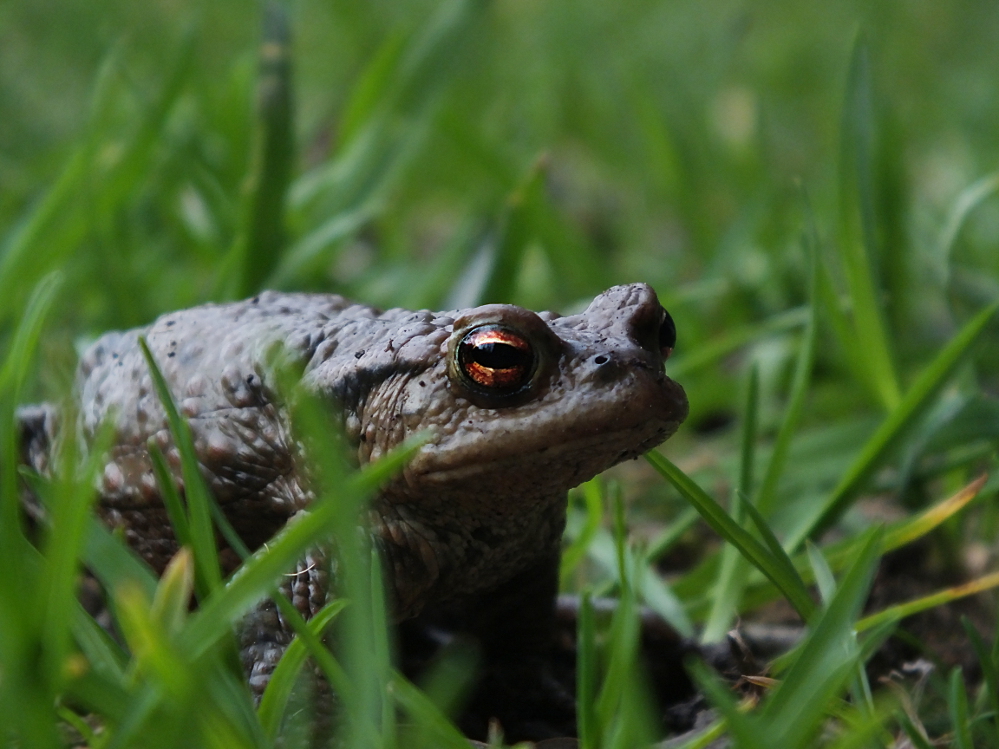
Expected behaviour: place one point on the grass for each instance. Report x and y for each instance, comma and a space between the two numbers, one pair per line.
810, 188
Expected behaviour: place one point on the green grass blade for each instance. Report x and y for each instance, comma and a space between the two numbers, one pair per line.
902, 610
23, 245
722, 524
13, 374
915, 735
988, 666
258, 573
918, 398
821, 571
746, 730
26, 337
278, 691
592, 492
516, 231
766, 501
957, 700
826, 659
778, 554
195, 491
747, 453
63, 540
374, 86
447, 685
382, 651
840, 554
732, 573
94, 691
261, 238
420, 708
673, 533
654, 592
103, 653
858, 245
969, 199
114, 563
171, 497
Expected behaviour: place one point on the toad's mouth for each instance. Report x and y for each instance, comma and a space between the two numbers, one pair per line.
557, 466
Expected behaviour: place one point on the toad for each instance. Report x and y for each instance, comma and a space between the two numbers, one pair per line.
519, 408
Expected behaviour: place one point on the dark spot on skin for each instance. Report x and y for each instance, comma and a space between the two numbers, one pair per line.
114, 355
422, 384
359, 354
169, 323
249, 379
173, 343
255, 300
171, 354
600, 360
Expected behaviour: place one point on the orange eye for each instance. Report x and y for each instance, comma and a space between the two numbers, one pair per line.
497, 359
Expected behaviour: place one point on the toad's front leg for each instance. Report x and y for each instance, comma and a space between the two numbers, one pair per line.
513, 625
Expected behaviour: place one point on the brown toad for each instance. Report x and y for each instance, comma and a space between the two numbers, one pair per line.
520, 407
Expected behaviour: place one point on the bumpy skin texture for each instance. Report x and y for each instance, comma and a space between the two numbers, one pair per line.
476, 517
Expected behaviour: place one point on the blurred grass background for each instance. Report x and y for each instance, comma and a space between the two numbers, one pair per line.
678, 136
447, 154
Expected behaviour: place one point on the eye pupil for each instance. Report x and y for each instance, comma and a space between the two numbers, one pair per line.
496, 359
500, 356
667, 334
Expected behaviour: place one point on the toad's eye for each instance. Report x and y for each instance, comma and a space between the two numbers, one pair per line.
667, 335
496, 359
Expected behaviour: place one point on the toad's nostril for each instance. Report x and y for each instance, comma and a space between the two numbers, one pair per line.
600, 359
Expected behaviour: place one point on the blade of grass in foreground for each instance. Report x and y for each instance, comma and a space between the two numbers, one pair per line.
278, 691
258, 573
12, 377
195, 491
26, 695
419, 707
